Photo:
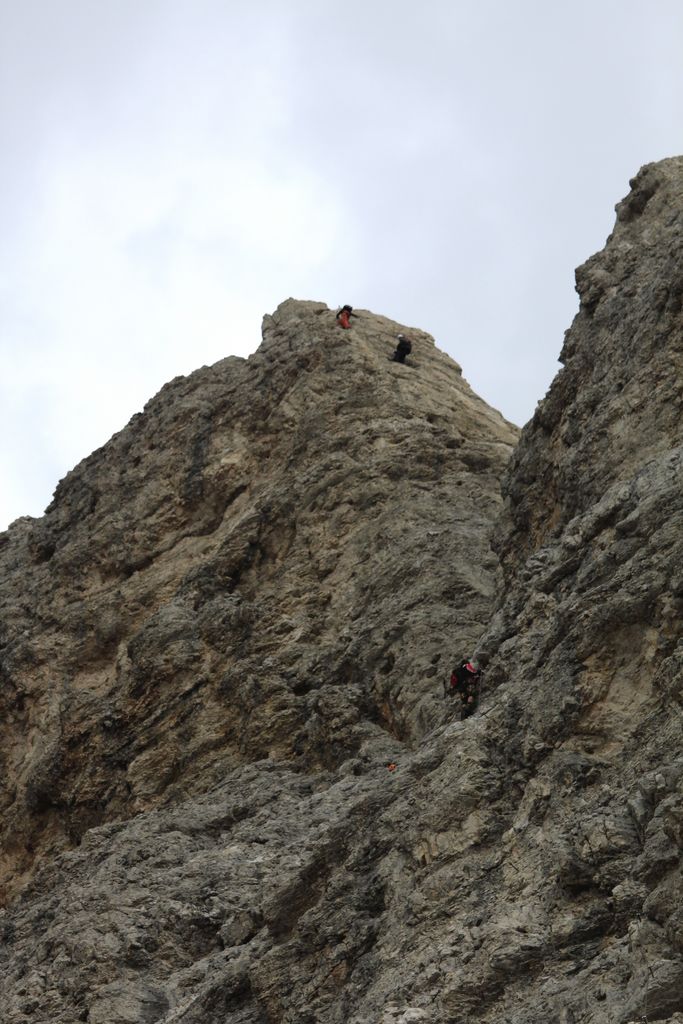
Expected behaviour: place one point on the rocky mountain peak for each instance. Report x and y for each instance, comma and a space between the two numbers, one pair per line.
248, 570
233, 789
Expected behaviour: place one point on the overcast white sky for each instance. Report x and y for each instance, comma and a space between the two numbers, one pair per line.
173, 169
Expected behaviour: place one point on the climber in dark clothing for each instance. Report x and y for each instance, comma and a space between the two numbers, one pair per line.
344, 315
403, 348
465, 681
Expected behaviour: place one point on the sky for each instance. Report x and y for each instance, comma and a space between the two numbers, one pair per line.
173, 169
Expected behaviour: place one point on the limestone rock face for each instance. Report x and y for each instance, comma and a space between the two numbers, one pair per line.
237, 613
253, 591
586, 645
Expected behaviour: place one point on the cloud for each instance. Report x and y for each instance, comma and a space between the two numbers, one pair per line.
173, 170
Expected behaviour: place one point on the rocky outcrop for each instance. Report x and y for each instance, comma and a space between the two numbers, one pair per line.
257, 586
241, 609
587, 643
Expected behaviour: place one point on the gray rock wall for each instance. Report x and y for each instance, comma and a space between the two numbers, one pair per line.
241, 609
586, 646
259, 585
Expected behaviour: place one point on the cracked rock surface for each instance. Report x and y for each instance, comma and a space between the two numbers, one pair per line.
240, 610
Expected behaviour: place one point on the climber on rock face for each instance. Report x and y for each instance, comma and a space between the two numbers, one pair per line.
465, 681
344, 315
403, 348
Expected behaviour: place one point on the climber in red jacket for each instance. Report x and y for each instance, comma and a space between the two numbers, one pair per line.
344, 315
466, 681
